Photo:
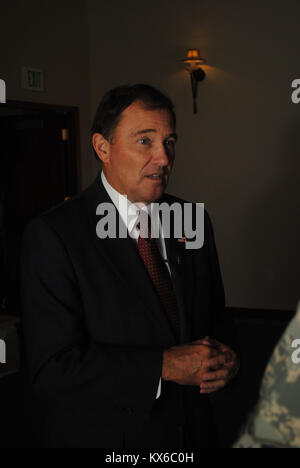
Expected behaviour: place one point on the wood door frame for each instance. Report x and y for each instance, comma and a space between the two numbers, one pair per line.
73, 117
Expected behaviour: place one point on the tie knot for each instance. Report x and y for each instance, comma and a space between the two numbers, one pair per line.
144, 224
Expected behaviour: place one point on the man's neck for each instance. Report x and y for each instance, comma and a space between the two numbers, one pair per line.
109, 184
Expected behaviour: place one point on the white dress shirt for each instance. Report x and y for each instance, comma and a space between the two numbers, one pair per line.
129, 213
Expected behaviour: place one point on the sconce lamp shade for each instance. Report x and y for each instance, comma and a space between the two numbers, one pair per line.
193, 60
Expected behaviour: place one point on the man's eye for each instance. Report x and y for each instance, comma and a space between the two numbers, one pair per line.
144, 141
170, 142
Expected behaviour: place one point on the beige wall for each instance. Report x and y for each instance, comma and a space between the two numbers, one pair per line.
51, 35
240, 154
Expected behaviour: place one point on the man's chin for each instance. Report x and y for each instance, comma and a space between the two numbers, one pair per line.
156, 194
152, 196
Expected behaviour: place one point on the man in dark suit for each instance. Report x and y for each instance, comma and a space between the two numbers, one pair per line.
117, 329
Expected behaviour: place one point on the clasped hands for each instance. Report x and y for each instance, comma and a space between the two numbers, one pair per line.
206, 363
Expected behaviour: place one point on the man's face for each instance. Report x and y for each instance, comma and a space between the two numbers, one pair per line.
141, 154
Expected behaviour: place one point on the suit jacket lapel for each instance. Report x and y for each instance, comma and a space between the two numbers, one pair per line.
180, 262
123, 256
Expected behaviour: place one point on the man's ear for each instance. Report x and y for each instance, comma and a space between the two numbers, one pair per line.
101, 147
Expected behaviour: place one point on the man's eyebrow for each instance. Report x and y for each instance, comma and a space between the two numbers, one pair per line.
152, 130
146, 130
173, 135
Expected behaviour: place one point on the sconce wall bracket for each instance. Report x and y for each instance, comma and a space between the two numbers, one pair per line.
196, 76
193, 63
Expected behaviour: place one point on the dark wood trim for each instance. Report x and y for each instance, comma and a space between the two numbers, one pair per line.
39, 106
77, 149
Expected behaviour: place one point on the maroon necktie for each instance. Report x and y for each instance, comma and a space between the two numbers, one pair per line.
158, 272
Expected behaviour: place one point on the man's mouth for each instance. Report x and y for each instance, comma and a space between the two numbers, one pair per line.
155, 176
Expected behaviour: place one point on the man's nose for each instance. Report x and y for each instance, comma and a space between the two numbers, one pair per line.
161, 156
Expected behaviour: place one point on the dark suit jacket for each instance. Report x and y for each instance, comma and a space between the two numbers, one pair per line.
95, 331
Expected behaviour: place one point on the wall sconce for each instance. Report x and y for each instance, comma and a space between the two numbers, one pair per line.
193, 63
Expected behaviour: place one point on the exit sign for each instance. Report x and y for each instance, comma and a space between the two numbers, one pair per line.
32, 79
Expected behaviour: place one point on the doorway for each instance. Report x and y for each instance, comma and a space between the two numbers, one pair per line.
39, 168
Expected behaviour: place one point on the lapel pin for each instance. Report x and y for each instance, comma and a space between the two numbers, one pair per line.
182, 239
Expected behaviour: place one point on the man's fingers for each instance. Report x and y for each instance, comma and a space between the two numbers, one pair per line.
203, 343
217, 344
206, 351
207, 341
222, 374
212, 342
212, 387
228, 356
215, 363
197, 342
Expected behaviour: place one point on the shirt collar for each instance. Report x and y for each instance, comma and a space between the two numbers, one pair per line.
128, 211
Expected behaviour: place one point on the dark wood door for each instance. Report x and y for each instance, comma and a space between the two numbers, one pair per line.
36, 173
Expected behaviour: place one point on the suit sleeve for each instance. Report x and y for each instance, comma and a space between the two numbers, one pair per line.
62, 358
222, 324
